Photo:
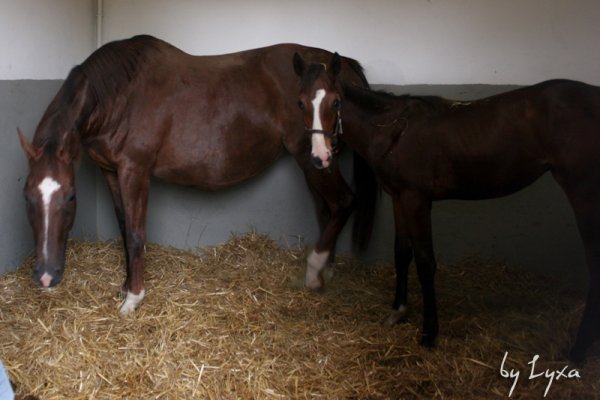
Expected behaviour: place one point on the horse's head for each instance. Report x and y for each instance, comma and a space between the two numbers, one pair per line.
50, 201
320, 103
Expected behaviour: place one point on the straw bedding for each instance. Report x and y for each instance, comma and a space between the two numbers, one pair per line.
233, 321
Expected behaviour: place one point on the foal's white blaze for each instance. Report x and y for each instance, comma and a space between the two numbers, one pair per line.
131, 302
314, 265
47, 189
319, 148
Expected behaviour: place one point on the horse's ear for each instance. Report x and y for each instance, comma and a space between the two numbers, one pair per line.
33, 153
335, 66
64, 156
299, 65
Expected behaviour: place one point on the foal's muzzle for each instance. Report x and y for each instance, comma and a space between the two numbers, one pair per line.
318, 163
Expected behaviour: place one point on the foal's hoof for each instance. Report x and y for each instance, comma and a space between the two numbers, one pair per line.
577, 356
314, 285
428, 341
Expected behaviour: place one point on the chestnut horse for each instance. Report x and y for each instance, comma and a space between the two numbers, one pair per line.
428, 148
143, 108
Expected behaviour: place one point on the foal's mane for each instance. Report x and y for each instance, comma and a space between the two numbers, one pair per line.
381, 101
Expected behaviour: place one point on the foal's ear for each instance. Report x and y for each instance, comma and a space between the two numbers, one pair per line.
335, 66
299, 65
33, 153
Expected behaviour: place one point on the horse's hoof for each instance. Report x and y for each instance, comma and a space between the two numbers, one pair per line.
396, 316
327, 273
314, 286
132, 301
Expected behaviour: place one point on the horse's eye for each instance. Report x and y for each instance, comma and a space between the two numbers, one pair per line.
71, 197
300, 105
337, 103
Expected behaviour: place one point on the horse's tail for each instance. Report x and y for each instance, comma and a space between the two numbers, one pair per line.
367, 193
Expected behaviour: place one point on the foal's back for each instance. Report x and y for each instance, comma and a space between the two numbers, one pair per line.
497, 145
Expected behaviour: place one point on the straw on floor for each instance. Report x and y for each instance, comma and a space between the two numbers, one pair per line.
233, 321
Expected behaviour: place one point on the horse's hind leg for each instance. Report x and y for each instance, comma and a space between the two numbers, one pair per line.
334, 200
586, 206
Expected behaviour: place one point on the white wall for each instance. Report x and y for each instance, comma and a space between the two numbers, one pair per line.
44, 39
398, 41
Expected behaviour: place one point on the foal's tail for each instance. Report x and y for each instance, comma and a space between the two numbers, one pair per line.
367, 193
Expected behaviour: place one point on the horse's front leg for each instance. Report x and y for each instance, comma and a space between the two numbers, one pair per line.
134, 184
416, 209
334, 203
113, 185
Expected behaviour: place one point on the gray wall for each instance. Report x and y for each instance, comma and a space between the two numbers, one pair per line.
533, 229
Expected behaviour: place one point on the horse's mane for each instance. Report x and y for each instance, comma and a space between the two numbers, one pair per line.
315, 69
111, 68
58, 118
101, 77
358, 69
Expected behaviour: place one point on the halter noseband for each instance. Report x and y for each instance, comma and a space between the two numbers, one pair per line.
337, 130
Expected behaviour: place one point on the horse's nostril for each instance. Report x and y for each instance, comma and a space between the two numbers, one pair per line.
317, 162
46, 280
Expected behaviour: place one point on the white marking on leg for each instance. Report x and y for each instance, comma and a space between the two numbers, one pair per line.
319, 148
397, 315
132, 301
47, 188
314, 265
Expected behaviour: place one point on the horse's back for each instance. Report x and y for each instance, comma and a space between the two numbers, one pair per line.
209, 121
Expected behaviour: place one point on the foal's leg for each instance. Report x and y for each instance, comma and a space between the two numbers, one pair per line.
134, 184
587, 212
334, 201
417, 213
403, 255
115, 191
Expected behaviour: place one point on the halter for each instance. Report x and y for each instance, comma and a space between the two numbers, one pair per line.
337, 130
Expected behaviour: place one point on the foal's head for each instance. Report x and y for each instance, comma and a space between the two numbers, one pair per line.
320, 103
50, 201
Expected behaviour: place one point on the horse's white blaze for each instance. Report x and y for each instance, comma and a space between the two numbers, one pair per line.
131, 302
47, 188
314, 265
319, 148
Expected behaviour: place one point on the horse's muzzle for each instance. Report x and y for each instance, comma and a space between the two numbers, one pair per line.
47, 276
